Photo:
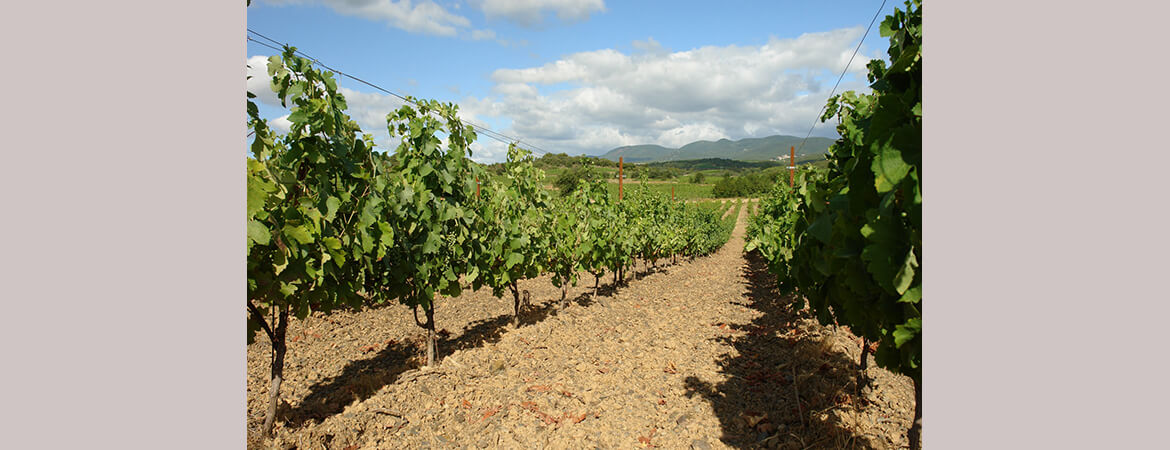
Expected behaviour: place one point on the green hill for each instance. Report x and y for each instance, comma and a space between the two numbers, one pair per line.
748, 149
638, 153
731, 164
715, 163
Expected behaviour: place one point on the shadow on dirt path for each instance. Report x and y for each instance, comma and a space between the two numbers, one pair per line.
702, 354
361, 379
784, 355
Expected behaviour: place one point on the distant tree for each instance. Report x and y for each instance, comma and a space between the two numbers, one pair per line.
662, 173
495, 168
570, 179
698, 178
554, 160
632, 170
749, 183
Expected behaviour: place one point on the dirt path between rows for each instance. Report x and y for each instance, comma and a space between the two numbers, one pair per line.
700, 354
731, 208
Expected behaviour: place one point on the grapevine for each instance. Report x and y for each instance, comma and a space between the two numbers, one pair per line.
850, 240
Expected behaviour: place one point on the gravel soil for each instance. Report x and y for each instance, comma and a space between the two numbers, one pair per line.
700, 354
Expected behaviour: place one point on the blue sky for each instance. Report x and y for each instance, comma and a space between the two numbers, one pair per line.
583, 76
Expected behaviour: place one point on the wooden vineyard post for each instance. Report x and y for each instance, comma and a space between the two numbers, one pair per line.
672, 192
620, 161
792, 167
477, 186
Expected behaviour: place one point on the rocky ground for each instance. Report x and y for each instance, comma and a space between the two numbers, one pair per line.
699, 354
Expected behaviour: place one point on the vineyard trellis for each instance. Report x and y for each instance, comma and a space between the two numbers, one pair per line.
849, 239
332, 223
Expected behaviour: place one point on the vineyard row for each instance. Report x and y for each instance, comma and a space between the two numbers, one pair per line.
332, 223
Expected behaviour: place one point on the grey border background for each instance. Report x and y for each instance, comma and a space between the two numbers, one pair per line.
1044, 225
123, 260
122, 264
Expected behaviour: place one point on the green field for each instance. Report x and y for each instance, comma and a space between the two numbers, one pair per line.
684, 187
729, 221
682, 191
712, 206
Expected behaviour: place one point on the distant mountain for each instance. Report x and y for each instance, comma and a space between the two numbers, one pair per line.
748, 149
639, 153
735, 165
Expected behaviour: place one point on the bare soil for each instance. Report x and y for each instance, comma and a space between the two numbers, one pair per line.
700, 354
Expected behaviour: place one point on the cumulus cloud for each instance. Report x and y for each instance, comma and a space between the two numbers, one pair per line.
281, 124
649, 45
490, 35
259, 83
488, 151
591, 102
530, 13
480, 35
369, 110
597, 100
422, 17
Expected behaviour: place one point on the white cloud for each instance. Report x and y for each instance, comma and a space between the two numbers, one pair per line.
369, 110
649, 46
591, 102
422, 17
259, 83
490, 35
531, 12
485, 150
480, 35
691, 132
281, 124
